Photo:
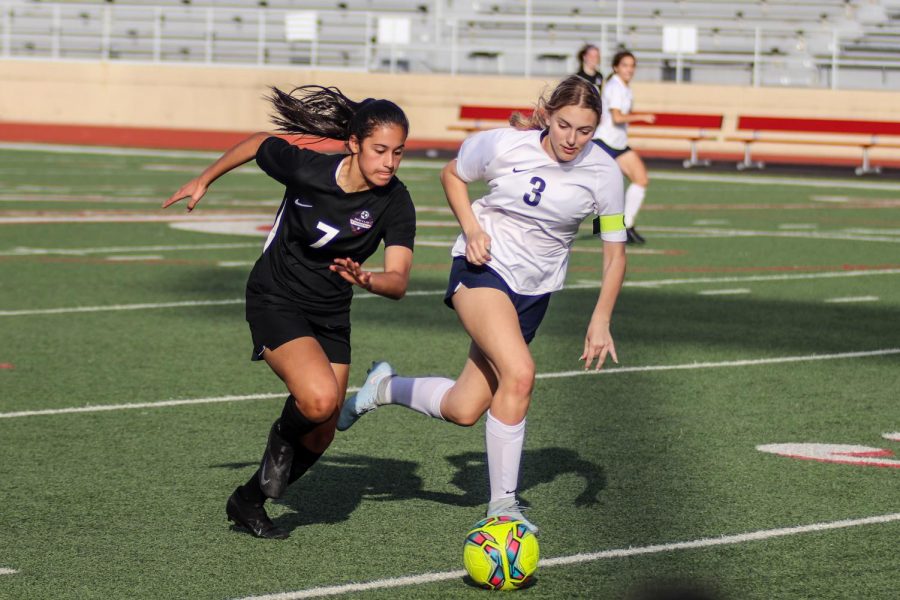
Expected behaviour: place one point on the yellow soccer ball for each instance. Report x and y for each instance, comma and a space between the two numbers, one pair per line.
501, 553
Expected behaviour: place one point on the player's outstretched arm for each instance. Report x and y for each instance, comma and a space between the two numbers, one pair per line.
234, 157
598, 342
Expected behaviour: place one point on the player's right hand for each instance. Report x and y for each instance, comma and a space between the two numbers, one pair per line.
193, 189
478, 248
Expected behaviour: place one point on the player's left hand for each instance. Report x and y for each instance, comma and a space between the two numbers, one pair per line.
597, 344
353, 272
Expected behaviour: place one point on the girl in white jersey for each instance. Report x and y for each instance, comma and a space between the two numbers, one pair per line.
545, 177
612, 136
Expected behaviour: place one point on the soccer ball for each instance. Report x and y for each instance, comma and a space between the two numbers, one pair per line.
500, 553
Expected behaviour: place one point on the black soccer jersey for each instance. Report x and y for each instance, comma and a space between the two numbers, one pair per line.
318, 222
596, 78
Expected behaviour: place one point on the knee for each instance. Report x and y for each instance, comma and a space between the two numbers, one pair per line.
520, 381
466, 419
318, 404
642, 180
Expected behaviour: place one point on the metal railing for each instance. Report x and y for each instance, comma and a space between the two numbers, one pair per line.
441, 41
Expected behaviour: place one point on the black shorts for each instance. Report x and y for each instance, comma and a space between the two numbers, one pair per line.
614, 152
272, 325
531, 309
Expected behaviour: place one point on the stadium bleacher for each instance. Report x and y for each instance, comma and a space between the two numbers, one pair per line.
764, 42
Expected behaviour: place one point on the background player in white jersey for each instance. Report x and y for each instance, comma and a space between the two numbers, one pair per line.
545, 177
612, 136
336, 211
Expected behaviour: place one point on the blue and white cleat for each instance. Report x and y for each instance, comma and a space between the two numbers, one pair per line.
510, 507
369, 397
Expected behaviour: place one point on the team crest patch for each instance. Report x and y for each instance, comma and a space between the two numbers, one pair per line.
361, 221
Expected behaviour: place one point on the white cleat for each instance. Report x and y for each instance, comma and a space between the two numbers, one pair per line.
510, 507
369, 396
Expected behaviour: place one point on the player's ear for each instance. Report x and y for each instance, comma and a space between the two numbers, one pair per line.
353, 144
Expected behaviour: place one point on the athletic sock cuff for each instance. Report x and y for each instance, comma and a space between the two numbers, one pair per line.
501, 429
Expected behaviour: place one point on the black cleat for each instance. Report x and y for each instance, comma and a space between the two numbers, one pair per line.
275, 468
634, 237
252, 517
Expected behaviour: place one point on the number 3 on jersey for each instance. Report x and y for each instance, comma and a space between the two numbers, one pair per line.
533, 197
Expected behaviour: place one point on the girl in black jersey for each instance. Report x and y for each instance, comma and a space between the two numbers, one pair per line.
336, 211
589, 62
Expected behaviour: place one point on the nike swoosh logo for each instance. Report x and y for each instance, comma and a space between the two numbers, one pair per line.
298, 203
515, 170
262, 472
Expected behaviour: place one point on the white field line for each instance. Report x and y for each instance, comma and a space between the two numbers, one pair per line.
815, 235
752, 179
873, 231
789, 226
86, 199
731, 292
748, 278
108, 150
361, 296
128, 257
762, 180
25, 251
5, 571
850, 299
555, 375
173, 217
725, 540
235, 263
115, 307
715, 365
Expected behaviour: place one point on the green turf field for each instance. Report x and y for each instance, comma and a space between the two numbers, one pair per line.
762, 311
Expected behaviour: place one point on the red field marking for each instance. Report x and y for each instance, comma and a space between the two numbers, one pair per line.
170, 139
7, 366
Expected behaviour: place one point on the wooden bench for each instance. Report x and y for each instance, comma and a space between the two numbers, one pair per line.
820, 132
697, 127
479, 118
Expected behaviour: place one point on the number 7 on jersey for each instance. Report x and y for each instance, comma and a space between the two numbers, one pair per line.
329, 231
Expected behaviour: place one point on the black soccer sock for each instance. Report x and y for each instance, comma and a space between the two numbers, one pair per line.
293, 424
303, 460
251, 492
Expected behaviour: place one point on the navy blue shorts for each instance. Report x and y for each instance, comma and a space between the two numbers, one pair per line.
614, 152
531, 309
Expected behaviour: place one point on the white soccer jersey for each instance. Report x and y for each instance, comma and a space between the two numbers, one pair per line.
615, 95
535, 204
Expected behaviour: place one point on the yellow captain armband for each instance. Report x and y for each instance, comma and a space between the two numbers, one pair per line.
609, 223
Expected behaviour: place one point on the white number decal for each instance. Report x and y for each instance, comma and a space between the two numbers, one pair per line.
838, 453
329, 232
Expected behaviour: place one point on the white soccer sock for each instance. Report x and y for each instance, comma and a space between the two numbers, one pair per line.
422, 394
634, 197
504, 453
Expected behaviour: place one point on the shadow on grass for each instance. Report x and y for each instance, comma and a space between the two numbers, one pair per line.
336, 486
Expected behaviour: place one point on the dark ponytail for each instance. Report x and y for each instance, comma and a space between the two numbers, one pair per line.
325, 112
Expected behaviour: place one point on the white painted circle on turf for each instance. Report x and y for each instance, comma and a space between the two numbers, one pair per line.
834, 453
